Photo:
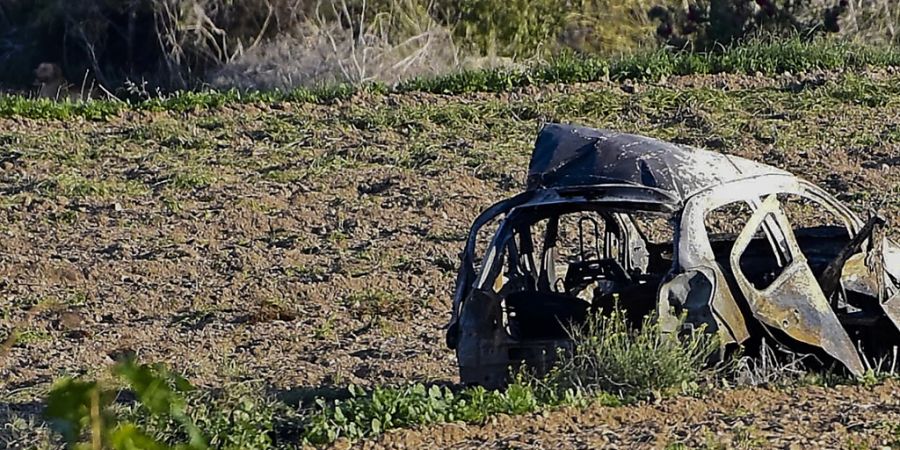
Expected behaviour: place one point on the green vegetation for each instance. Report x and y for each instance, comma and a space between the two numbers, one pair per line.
765, 56
609, 357
80, 410
535, 27
366, 414
768, 57
181, 101
133, 44
168, 413
612, 365
238, 416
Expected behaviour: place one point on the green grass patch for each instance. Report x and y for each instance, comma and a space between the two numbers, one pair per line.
18, 106
366, 414
180, 101
33, 336
761, 55
75, 185
765, 56
191, 178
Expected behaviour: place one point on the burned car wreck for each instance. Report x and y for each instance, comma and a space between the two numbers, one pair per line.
697, 239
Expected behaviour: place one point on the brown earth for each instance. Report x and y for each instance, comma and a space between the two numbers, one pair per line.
316, 245
798, 418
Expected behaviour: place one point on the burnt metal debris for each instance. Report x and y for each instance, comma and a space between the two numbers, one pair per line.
618, 220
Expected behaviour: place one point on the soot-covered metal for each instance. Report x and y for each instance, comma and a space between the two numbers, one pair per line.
690, 237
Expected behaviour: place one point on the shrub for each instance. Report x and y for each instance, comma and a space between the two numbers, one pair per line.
705, 24
514, 28
383, 43
265, 44
268, 44
610, 357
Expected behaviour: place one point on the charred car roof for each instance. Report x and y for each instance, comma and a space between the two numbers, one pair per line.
568, 157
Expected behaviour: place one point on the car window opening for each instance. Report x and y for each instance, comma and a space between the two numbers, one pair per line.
561, 268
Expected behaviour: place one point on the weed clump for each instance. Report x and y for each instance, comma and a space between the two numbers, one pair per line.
239, 416
365, 414
611, 357
373, 304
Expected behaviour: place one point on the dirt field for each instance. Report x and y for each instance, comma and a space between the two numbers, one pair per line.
810, 417
309, 246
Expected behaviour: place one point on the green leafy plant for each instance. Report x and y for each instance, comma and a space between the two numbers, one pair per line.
161, 392
364, 414
239, 416
81, 410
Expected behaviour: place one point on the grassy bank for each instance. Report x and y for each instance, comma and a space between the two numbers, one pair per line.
758, 56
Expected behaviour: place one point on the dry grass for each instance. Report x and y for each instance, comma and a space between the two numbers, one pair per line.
609, 26
266, 44
359, 47
208, 33
872, 21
